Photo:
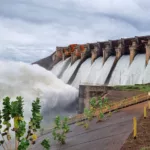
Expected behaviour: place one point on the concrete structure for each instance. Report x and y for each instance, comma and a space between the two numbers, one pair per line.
147, 46
86, 92
117, 48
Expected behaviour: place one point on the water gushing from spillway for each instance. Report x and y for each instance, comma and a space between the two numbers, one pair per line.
125, 74
69, 71
31, 81
95, 70
82, 73
145, 77
60, 67
135, 70
104, 71
97, 73
117, 76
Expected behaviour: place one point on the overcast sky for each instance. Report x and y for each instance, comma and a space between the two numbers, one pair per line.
31, 29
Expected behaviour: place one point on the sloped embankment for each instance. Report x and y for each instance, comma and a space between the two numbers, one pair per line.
110, 134
143, 135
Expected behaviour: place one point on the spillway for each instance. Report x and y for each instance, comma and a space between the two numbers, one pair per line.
97, 73
135, 70
145, 77
69, 71
94, 71
117, 77
104, 71
82, 73
122, 61
60, 67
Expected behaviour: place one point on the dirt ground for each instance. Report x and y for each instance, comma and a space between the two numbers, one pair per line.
143, 135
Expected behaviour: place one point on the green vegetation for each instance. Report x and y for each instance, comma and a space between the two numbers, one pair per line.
95, 104
145, 148
46, 144
61, 128
140, 87
14, 111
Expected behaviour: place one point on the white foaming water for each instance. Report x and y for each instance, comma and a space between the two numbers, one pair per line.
133, 74
104, 71
60, 66
31, 81
69, 71
95, 70
82, 73
118, 77
145, 77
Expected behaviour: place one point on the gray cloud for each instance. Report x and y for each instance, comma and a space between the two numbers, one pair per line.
31, 29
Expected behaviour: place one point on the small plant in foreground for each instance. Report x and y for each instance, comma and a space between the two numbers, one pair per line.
46, 144
89, 113
93, 102
96, 109
14, 110
86, 125
60, 130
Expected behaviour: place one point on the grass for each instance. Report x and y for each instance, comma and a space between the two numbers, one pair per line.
140, 87
145, 148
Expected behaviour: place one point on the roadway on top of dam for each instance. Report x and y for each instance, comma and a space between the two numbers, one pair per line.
109, 134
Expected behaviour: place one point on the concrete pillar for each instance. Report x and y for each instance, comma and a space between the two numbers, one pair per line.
106, 52
147, 46
119, 50
94, 53
83, 52
63, 56
133, 50
58, 54
75, 55
73, 58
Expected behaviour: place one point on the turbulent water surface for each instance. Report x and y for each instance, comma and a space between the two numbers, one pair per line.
31, 81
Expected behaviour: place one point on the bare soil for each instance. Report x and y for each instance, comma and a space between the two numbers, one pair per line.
143, 135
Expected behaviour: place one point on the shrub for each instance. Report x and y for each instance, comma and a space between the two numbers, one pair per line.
14, 110
61, 128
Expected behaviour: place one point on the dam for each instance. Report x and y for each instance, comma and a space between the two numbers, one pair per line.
114, 62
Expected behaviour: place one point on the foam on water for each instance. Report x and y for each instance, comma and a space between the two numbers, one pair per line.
104, 71
82, 73
69, 71
31, 81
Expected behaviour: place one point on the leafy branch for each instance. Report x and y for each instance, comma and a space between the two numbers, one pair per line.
14, 110
60, 130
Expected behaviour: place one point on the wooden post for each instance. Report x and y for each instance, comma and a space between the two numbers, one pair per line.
145, 112
134, 128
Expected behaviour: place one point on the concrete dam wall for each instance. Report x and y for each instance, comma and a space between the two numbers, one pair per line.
113, 62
